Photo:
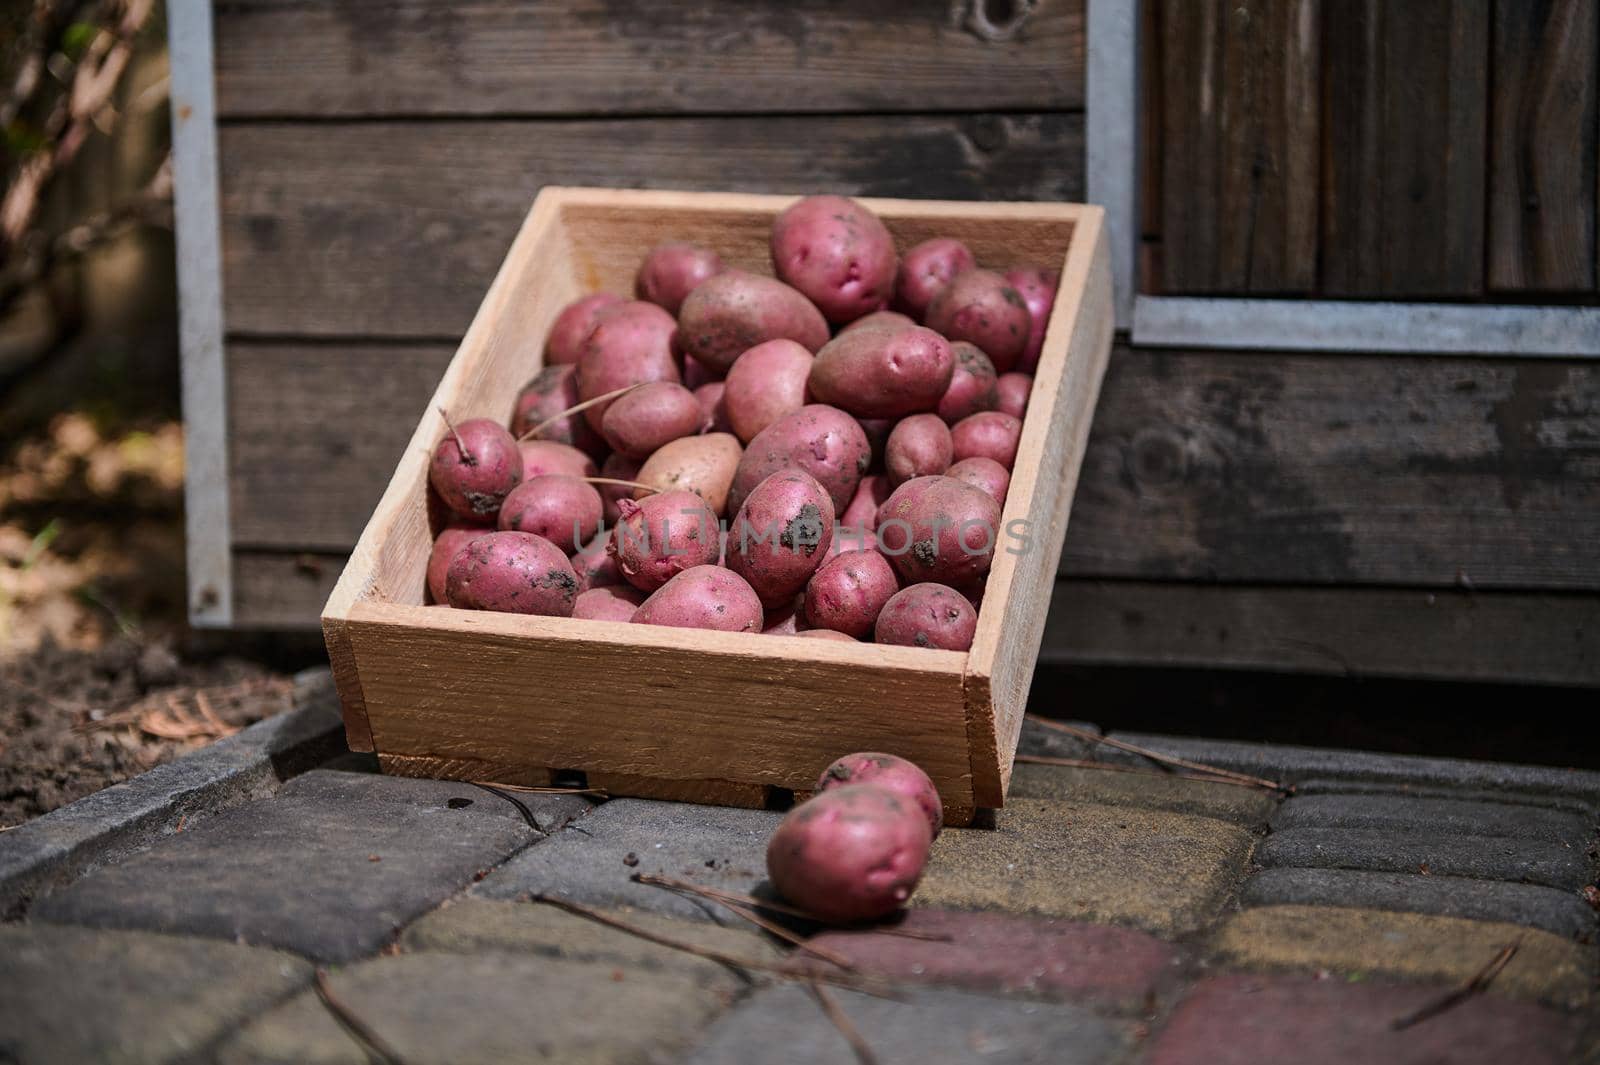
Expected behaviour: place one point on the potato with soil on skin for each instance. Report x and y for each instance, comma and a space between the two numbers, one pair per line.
823, 441
640, 421
562, 509
764, 384
451, 539
1038, 289
474, 466
594, 565
554, 389
1014, 389
734, 311
617, 468
512, 572
849, 854
973, 386
883, 373
919, 447
871, 493
703, 465
711, 397
608, 603
880, 320
662, 535
703, 597
544, 457
564, 345
989, 434
905, 778
672, 270
927, 270
984, 474
939, 529
781, 535
928, 615
848, 591
630, 344
838, 253
978, 306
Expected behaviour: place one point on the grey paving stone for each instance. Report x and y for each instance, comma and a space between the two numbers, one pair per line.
1485, 858
1546, 801
456, 1009
1562, 912
714, 846
550, 813
79, 995
1225, 802
1445, 816
102, 827
1039, 739
786, 1024
329, 880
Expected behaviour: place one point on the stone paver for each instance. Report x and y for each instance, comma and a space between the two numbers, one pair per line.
1563, 913
1164, 872
457, 1009
1453, 817
787, 1025
1044, 957
1246, 1020
1408, 946
550, 813
1487, 858
713, 846
1225, 802
77, 995
1573, 804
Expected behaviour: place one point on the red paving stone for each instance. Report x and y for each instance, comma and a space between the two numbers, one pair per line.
1234, 1020
998, 952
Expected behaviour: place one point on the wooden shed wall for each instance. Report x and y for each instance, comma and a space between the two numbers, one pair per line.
1330, 512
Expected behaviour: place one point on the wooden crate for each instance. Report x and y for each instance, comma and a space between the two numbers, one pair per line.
684, 714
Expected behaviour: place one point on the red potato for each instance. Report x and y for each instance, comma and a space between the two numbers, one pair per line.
553, 390
847, 538
989, 434
848, 591
939, 529
978, 306
661, 536
610, 603
704, 465
781, 535
672, 270
695, 373
836, 252
823, 441
984, 474
545, 457
1038, 288
849, 854
826, 634
711, 397
703, 597
565, 343
595, 566
639, 422
883, 373
785, 620
617, 468
562, 509
474, 467
880, 320
734, 311
906, 779
919, 447
973, 386
928, 615
630, 344
927, 270
1014, 390
513, 572
764, 384
862, 513
451, 539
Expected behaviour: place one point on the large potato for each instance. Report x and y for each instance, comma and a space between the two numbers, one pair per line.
704, 465
475, 465
847, 592
781, 535
515, 572
900, 776
553, 390
836, 252
662, 535
883, 373
764, 384
672, 270
849, 854
823, 441
926, 270
565, 343
939, 529
734, 311
878, 320
630, 344
978, 306
650, 416
928, 615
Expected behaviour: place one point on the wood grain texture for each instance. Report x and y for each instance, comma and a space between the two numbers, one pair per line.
1543, 144
564, 57
393, 229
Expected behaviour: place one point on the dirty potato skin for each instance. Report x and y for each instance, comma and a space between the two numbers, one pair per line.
928, 615
565, 343
989, 434
823, 441
848, 591
939, 529
562, 509
451, 539
473, 482
974, 386
880, 320
734, 311
837, 253
900, 776
781, 535
630, 344
850, 854
672, 270
661, 536
883, 373
641, 421
703, 597
1038, 288
704, 465
978, 306
512, 572
553, 390
925, 271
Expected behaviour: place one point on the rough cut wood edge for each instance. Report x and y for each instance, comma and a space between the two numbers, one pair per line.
433, 768
1055, 436
347, 682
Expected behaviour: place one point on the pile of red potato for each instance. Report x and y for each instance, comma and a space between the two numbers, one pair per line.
755, 454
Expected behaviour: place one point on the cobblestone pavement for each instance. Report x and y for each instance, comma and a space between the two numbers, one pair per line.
1104, 916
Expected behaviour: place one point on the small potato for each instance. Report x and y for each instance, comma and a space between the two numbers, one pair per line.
836, 252
639, 422
862, 513
823, 441
919, 447
544, 457
617, 468
630, 344
672, 270
451, 539
703, 465
989, 434
883, 373
826, 634
928, 615
1038, 287
973, 386
880, 320
513, 572
703, 597
849, 854
553, 390
925, 271
610, 603
734, 311
662, 535
939, 529
1014, 390
562, 509
565, 343
847, 592
978, 306
711, 397
781, 535
595, 566
984, 474
880, 770
764, 384
475, 465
